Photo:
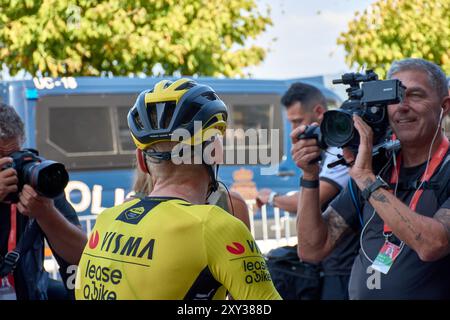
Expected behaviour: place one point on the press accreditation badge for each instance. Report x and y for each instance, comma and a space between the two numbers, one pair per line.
386, 257
7, 292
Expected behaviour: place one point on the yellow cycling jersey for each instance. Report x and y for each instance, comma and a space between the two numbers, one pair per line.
168, 248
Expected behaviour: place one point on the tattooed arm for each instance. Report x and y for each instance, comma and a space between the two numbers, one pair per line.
429, 237
443, 216
317, 234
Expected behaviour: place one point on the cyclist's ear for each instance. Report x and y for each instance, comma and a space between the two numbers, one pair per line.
142, 164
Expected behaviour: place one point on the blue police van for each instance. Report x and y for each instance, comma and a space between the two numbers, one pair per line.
81, 122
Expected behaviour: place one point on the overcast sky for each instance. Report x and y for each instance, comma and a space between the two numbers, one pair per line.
306, 33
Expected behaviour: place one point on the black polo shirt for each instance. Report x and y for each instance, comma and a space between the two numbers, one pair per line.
409, 277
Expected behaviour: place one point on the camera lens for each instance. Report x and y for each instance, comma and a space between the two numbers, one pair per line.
48, 178
337, 128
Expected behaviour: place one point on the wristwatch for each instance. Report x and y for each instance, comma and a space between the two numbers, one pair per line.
309, 184
378, 183
272, 196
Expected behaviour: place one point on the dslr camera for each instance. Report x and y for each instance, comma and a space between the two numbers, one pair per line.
368, 97
48, 178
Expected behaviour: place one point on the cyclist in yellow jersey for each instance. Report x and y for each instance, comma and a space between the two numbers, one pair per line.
170, 245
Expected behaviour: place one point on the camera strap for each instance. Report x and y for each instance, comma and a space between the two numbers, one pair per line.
10, 260
436, 160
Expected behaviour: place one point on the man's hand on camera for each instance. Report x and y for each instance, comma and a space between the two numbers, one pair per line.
303, 152
8, 178
32, 204
361, 170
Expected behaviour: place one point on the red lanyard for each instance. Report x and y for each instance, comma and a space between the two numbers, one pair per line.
436, 160
12, 239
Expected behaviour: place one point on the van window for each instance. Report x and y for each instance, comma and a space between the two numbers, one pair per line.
256, 117
253, 112
252, 116
80, 130
91, 131
84, 131
125, 141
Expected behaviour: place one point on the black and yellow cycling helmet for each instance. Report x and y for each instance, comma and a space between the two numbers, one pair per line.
169, 106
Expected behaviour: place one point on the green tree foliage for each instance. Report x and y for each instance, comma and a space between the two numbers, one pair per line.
396, 29
122, 37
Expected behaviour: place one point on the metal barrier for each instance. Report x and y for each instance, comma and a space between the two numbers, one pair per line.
275, 232
269, 233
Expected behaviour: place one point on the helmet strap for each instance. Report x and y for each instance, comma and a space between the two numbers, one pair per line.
213, 171
157, 156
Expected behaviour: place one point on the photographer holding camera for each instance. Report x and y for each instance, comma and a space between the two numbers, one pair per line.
401, 210
305, 104
27, 217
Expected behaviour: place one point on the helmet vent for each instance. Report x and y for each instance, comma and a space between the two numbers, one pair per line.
152, 115
210, 96
167, 114
167, 84
211, 121
193, 109
137, 120
186, 85
160, 114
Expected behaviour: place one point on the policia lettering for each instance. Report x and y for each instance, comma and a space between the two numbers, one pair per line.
99, 276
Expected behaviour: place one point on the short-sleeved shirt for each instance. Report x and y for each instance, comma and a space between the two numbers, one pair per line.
338, 175
409, 277
340, 261
167, 248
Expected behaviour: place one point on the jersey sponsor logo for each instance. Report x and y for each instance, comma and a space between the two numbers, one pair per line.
134, 213
94, 240
137, 212
256, 271
125, 245
253, 264
257, 276
236, 248
100, 282
253, 247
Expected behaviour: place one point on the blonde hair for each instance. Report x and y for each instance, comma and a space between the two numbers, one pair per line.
142, 185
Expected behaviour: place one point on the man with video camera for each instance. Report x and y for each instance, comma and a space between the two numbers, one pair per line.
30, 214
402, 208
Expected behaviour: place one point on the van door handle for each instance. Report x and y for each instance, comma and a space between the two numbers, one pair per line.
286, 173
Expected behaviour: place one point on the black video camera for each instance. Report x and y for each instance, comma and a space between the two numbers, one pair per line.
48, 178
369, 101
